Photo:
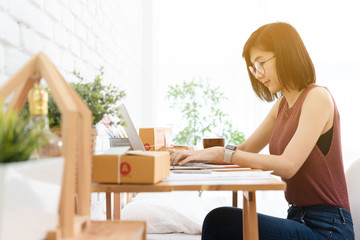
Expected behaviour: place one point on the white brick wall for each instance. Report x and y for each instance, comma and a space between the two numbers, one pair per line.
77, 34
81, 35
9, 30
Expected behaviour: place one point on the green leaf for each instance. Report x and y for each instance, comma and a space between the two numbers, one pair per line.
200, 105
101, 98
17, 140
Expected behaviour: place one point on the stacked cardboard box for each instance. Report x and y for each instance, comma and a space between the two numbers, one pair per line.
131, 167
156, 139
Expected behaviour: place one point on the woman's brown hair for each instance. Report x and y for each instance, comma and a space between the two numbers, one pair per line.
294, 67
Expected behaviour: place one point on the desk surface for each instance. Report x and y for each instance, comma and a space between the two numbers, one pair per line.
204, 185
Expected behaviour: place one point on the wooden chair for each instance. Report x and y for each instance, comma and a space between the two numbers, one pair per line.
74, 210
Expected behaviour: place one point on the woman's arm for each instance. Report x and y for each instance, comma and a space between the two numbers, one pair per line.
261, 136
255, 143
316, 118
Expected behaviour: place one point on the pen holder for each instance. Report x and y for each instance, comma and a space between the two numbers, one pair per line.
119, 142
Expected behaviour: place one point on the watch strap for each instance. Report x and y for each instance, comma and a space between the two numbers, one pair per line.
227, 155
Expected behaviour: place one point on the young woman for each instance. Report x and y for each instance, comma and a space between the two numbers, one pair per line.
303, 133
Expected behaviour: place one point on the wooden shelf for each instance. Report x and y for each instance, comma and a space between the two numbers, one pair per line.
114, 230
103, 230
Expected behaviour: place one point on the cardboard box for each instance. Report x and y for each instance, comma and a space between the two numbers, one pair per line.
131, 167
180, 147
156, 139
168, 137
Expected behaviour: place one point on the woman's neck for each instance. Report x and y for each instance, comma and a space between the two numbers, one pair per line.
291, 96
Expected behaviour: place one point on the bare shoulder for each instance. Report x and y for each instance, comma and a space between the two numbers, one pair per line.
319, 97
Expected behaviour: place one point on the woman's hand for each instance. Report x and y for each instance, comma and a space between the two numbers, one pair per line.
203, 156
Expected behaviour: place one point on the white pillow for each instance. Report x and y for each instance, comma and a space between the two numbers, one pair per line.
172, 211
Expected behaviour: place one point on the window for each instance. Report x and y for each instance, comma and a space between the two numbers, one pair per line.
205, 38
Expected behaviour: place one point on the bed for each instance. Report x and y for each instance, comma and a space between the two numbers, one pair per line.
173, 236
174, 215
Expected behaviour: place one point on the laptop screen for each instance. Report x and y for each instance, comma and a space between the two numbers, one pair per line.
130, 130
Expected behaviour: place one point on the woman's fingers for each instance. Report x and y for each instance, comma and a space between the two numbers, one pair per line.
186, 160
204, 156
177, 156
186, 156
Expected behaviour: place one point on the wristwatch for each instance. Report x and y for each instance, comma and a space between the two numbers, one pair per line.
229, 150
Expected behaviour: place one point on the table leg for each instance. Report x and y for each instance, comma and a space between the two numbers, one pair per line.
108, 206
250, 220
235, 199
128, 197
117, 206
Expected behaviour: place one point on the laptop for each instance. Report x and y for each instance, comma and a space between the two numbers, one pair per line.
130, 130
138, 145
189, 166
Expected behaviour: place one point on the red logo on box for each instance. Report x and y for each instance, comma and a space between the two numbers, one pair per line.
147, 146
125, 168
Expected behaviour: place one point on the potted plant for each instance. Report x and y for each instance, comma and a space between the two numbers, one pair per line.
102, 99
29, 189
17, 141
200, 106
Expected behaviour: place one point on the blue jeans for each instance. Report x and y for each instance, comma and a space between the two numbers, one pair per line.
315, 222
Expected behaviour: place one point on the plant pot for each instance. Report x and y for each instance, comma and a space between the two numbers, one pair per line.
30, 194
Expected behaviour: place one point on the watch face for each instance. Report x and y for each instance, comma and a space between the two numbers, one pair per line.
231, 147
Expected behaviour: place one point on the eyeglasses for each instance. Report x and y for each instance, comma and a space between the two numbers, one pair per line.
258, 67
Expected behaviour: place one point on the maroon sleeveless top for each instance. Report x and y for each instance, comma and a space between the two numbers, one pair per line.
321, 179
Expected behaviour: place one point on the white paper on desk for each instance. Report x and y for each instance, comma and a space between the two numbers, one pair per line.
192, 166
239, 175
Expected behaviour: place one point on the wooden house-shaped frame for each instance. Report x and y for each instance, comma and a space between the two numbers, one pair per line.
76, 130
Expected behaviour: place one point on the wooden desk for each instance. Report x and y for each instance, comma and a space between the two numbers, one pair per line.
247, 186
